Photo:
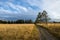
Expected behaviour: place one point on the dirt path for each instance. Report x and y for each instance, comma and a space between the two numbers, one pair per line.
45, 35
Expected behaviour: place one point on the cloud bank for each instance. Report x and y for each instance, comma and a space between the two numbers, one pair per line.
17, 8
52, 7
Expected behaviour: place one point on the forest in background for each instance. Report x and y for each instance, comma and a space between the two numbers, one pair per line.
16, 22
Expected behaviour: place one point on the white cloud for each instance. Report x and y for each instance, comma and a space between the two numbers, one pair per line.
5, 9
2, 10
37, 3
18, 8
22, 9
52, 7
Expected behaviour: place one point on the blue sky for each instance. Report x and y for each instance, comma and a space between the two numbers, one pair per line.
17, 9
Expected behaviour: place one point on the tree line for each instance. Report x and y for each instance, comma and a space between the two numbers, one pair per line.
16, 22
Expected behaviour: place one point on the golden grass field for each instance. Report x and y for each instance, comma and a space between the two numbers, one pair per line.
54, 28
26, 31
18, 32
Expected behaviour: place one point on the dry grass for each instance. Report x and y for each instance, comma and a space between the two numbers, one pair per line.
54, 28
18, 32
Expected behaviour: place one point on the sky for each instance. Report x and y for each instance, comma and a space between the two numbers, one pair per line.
28, 9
